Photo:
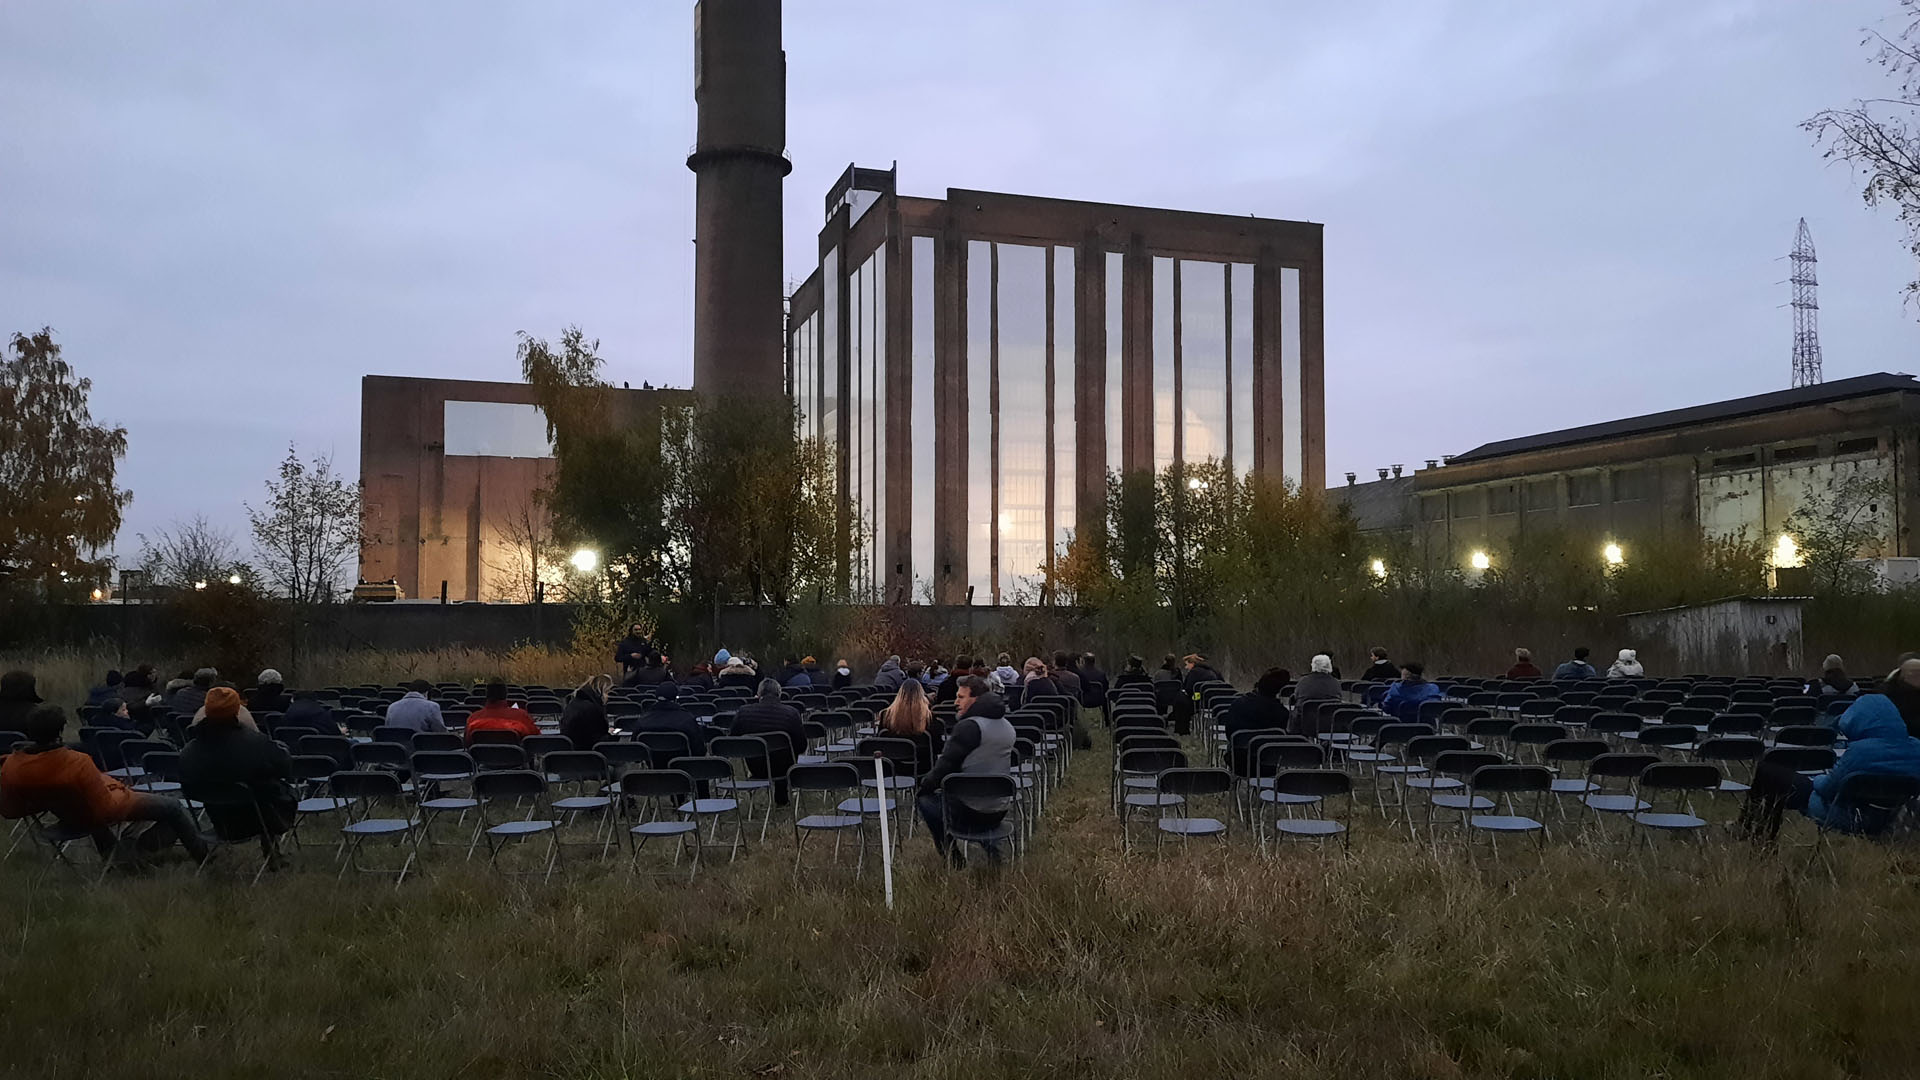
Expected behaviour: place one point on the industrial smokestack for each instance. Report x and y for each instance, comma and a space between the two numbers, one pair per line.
739, 159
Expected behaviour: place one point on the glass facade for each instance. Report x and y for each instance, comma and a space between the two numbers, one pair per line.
979, 394
921, 410
828, 430
1062, 431
1203, 360
866, 395
1021, 493
1291, 403
1164, 378
1116, 306
1240, 341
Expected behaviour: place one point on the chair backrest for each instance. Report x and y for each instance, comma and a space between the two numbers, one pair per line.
1536, 734
1809, 735
619, 755
314, 766
1493, 727
1272, 757
157, 764
1621, 765
830, 776
134, 751
1320, 783
509, 784
1804, 759
984, 786
1464, 762
1680, 776
1187, 780
1614, 723
677, 783
400, 735
1575, 715
383, 755
1883, 792
1395, 734
442, 763
1155, 760
1668, 735
664, 746
704, 767
1425, 748
738, 747
902, 752
1512, 779
494, 757
1573, 750
1647, 708
575, 766
494, 738
438, 741
1730, 749
363, 784
1795, 715
1688, 714
1146, 742
1736, 724
539, 746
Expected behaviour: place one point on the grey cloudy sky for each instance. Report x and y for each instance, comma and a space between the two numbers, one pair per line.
1537, 215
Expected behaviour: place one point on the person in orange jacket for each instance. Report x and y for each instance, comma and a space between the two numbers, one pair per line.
44, 776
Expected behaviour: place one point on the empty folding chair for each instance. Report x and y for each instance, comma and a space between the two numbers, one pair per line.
313, 773
1188, 784
1513, 813
1734, 750
385, 756
661, 746
1617, 728
1805, 736
539, 746
376, 810
1448, 785
659, 800
1491, 733
1870, 804
1612, 776
1569, 759
1673, 738
159, 771
437, 777
438, 742
1805, 760
829, 785
579, 786
1301, 798
712, 805
1392, 738
497, 757
1144, 797
1528, 740
751, 779
400, 735
500, 794
1666, 787
132, 754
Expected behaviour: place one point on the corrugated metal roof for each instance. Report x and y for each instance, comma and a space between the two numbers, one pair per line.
1799, 397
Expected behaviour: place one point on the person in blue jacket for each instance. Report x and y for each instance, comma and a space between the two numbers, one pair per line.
1879, 732
1404, 697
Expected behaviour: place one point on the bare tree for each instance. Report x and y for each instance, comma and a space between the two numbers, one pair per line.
526, 553
1880, 137
189, 552
308, 530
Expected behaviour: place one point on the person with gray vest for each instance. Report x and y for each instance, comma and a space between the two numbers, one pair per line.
980, 744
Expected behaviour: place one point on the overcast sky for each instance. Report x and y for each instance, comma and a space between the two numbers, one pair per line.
1537, 215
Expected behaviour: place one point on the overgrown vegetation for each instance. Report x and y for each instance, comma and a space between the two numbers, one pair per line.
1588, 960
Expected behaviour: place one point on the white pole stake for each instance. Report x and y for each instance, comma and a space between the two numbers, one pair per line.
886, 842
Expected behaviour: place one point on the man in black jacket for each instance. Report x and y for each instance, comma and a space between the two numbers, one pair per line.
665, 714
632, 652
309, 712
768, 715
1093, 685
1381, 669
225, 762
981, 744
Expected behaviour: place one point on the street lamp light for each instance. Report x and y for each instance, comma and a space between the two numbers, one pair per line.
1614, 554
1480, 561
585, 560
233, 579
1196, 484
1380, 568
199, 585
1786, 553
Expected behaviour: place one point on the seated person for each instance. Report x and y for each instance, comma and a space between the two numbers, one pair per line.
1879, 731
44, 776
269, 693
1405, 697
499, 714
664, 713
224, 757
308, 711
769, 715
981, 745
1257, 710
415, 711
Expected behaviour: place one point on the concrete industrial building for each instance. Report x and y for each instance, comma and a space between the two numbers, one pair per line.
983, 361
448, 472
1725, 469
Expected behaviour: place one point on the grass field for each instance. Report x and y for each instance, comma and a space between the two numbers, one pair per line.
1077, 961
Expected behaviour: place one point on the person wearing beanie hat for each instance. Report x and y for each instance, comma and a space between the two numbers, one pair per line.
18, 696
243, 778
45, 776
107, 693
664, 713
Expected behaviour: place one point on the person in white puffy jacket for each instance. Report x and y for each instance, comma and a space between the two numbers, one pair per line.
1627, 667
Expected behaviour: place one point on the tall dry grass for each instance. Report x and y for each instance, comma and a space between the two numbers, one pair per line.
1080, 960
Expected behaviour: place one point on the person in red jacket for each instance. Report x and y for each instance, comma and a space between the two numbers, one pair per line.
499, 714
43, 776
1523, 666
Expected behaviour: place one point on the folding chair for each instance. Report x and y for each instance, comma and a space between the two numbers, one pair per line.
1394, 737
1673, 738
581, 779
1188, 783
130, 753
834, 781
439, 742
496, 756
539, 746
1505, 785
1455, 767
1733, 749
1300, 801
365, 793
707, 770
158, 763
1528, 740
654, 792
1805, 736
662, 746
400, 735
1146, 765
744, 751
903, 770
1604, 800
515, 785
1665, 787
435, 774
337, 747
1867, 804
244, 802
1560, 755
985, 787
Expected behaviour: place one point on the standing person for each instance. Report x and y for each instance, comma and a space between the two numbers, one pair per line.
1319, 683
1404, 698
223, 756
1093, 685
664, 713
981, 744
1879, 729
44, 776
18, 696
1834, 680
768, 715
269, 693
1576, 668
911, 717
108, 691
842, 675
1523, 666
1134, 674
1380, 669
584, 719
415, 711
499, 714
632, 651
1627, 666
1260, 709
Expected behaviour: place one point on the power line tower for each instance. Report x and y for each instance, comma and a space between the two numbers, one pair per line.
1806, 310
